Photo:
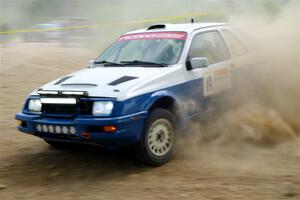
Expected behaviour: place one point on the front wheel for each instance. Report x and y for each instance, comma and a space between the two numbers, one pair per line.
158, 139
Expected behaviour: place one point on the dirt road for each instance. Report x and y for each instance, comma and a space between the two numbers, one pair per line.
201, 169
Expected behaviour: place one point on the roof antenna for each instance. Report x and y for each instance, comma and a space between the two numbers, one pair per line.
192, 20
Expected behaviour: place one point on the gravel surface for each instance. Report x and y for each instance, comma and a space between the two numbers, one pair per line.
200, 169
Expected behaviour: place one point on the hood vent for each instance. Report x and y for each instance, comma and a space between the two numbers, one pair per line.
122, 80
62, 80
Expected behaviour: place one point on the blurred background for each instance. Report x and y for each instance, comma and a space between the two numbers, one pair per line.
95, 23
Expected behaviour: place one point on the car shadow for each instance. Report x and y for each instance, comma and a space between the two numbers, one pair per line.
45, 165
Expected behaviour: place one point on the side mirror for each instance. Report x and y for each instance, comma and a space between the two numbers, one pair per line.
91, 63
199, 62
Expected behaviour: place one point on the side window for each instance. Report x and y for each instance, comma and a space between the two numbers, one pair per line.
237, 48
209, 45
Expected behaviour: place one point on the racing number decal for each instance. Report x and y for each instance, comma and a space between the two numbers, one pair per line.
217, 81
208, 84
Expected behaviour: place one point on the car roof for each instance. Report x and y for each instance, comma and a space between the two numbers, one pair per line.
187, 27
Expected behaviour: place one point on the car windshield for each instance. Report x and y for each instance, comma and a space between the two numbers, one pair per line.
145, 48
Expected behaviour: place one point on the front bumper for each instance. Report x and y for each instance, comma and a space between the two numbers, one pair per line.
129, 129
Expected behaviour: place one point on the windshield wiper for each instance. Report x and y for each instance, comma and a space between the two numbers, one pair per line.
139, 62
107, 63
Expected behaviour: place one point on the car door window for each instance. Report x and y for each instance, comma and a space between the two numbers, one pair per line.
209, 45
236, 46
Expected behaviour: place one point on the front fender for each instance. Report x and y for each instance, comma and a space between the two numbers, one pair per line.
146, 101
156, 96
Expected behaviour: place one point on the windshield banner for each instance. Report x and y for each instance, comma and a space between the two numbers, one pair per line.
154, 36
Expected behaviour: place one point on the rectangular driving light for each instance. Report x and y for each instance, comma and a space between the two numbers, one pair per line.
58, 100
77, 93
47, 92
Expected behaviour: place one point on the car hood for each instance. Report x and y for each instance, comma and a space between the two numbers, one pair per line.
111, 82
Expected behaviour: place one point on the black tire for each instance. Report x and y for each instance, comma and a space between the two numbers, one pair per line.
145, 151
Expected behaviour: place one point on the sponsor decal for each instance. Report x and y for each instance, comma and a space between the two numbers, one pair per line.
154, 36
208, 84
217, 81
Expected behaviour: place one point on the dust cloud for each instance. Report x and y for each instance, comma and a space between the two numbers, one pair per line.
264, 113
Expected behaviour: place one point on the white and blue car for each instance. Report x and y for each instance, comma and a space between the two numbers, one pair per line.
141, 92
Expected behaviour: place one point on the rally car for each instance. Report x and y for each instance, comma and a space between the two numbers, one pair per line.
141, 92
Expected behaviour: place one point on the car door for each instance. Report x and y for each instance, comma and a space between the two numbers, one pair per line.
208, 82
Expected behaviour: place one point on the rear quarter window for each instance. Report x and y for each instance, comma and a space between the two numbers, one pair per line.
236, 46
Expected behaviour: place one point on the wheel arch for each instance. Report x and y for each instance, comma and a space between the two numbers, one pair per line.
165, 100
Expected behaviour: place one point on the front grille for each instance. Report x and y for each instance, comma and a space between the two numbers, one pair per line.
65, 110
85, 107
62, 110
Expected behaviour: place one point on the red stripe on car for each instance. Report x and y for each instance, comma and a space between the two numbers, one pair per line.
154, 36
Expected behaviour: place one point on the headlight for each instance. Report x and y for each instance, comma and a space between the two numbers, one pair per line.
102, 108
35, 105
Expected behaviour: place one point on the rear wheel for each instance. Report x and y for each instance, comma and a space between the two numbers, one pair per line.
158, 139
